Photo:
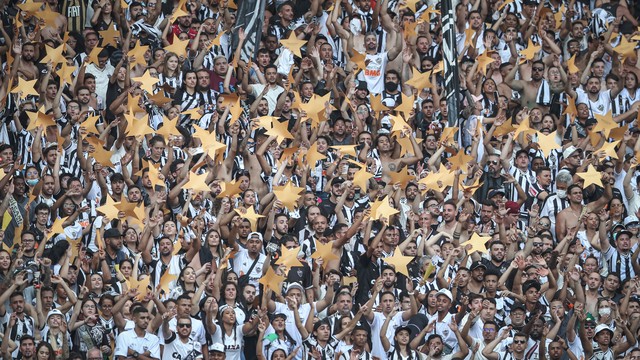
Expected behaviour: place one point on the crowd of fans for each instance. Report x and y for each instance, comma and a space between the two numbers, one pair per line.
170, 191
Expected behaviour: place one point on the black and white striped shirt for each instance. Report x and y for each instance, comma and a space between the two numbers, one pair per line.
620, 264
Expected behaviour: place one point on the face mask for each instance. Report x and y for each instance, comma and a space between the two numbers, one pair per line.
561, 193
32, 182
390, 86
604, 311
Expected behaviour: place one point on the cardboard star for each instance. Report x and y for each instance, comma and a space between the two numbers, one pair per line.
110, 36
289, 257
48, 16
54, 55
411, 5
571, 109
530, 52
485, 60
109, 209
478, 243
271, 280
376, 103
438, 180
409, 29
324, 252
178, 13
66, 73
591, 176
313, 156
406, 106
524, 128
147, 81
420, 80
93, 56
102, 156
625, 48
346, 149
571, 64
90, 125
169, 127
279, 130
39, 118
137, 126
359, 59
57, 227
609, 149
460, 160
381, 208
126, 207
361, 178
141, 285
179, 47
159, 98
401, 177
293, 44
399, 261
209, 141
230, 189
138, 52
469, 35
288, 195
605, 123
618, 133
250, 215
197, 183
30, 6
166, 281
558, 16
315, 108
448, 134
399, 125
547, 143
75, 245
25, 88
154, 176
504, 129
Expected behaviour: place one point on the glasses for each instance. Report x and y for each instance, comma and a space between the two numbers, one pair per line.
519, 341
184, 325
589, 326
537, 244
545, 225
493, 162
489, 330
538, 69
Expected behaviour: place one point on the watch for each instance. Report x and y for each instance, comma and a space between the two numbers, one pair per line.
135, 354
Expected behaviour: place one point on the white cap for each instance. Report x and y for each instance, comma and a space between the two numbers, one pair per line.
569, 151
217, 347
446, 293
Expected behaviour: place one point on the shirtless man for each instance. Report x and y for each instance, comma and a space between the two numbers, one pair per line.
528, 89
569, 217
388, 164
26, 65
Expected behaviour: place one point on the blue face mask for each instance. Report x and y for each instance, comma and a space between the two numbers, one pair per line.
32, 182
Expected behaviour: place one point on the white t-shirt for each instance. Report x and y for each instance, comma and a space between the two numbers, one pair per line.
271, 95
373, 74
598, 107
242, 263
233, 343
130, 340
197, 331
174, 348
377, 349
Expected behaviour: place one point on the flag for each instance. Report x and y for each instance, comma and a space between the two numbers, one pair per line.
249, 17
450, 57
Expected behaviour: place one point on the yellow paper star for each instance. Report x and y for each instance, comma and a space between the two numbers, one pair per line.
547, 143
230, 189
609, 149
279, 130
571, 64
166, 282
289, 257
25, 88
484, 60
406, 106
361, 178
250, 215
54, 55
197, 182
109, 209
524, 128
293, 44
625, 48
591, 176
571, 109
147, 81
530, 52
504, 129
401, 177
478, 243
359, 59
66, 73
399, 261
469, 35
460, 160
179, 47
324, 252
169, 127
138, 52
381, 208
57, 228
288, 195
93, 56
313, 156
605, 123
271, 280
420, 80
346, 149
110, 36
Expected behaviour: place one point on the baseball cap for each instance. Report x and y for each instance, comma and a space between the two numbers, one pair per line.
602, 327
512, 207
337, 181
446, 293
477, 264
112, 233
255, 233
631, 220
495, 192
569, 151
518, 306
530, 284
623, 231
216, 347
54, 312
294, 285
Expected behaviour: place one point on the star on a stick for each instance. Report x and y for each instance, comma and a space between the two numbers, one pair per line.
381, 208
324, 252
271, 280
530, 51
250, 215
166, 281
289, 257
109, 209
25, 88
293, 44
547, 143
288, 195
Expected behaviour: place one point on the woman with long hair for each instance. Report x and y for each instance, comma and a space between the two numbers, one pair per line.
187, 97
231, 334
186, 283
86, 327
44, 351
5, 267
171, 73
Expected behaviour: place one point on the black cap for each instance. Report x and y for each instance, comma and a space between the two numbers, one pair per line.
362, 85
530, 284
112, 233
590, 122
518, 306
477, 264
337, 181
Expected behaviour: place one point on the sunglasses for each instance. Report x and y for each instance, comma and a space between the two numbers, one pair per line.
184, 325
537, 244
519, 341
538, 69
493, 162
589, 326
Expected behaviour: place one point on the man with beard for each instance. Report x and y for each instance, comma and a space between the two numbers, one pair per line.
388, 284
535, 92
497, 252
27, 350
569, 217
114, 253
486, 224
346, 205
339, 136
435, 346
540, 189
536, 329
168, 262
138, 343
601, 348
477, 319
280, 24
250, 260
557, 201
583, 123
515, 352
19, 323
449, 210
25, 61
338, 187
391, 96
489, 333
204, 87
179, 344
376, 63
491, 179
556, 349
532, 304
280, 224
599, 102
359, 340
271, 76
361, 95
408, 202
477, 277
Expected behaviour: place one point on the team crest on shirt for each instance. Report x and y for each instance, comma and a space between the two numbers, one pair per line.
299, 272
445, 333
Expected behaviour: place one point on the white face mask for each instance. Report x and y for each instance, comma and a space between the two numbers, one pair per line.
606, 311
561, 193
